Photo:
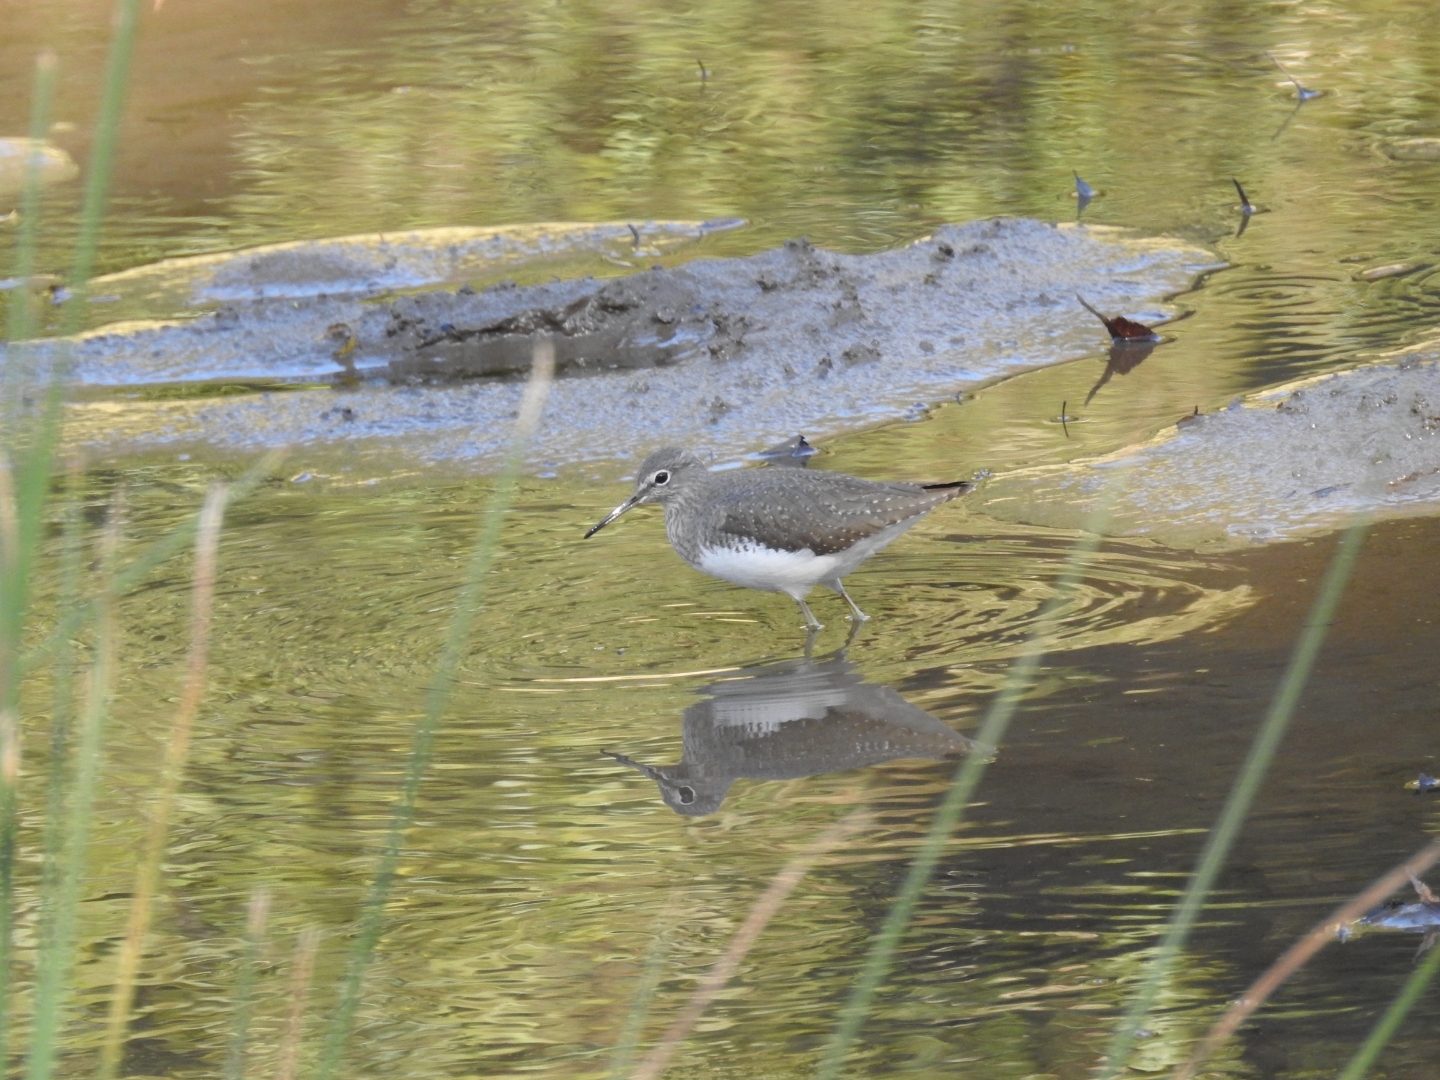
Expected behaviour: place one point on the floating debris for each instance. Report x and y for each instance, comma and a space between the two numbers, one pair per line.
1423, 783
1303, 93
1247, 208
1425, 149
1121, 328
1083, 194
1389, 270
1421, 917
792, 453
1065, 419
345, 340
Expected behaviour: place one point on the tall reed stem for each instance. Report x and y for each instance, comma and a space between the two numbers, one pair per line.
177, 752
62, 696
22, 297
992, 732
15, 532
302, 968
57, 957
1241, 797
372, 913
243, 1004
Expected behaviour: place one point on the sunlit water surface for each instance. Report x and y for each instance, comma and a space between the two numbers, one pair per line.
545, 882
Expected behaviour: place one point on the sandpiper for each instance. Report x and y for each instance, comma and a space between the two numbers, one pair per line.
778, 530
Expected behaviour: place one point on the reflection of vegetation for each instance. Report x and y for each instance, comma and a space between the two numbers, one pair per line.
860, 129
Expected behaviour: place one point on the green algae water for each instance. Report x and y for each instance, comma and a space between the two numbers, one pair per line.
544, 881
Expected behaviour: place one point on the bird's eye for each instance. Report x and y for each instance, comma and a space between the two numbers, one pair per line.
687, 795
662, 477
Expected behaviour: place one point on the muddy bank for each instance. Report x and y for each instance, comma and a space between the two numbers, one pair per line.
727, 355
1294, 460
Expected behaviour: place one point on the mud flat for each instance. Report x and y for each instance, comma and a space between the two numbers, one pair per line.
725, 354
1298, 459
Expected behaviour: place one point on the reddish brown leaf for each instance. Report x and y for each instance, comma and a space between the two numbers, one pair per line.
1121, 328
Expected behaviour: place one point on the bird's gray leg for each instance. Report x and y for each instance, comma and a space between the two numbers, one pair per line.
855, 612
811, 623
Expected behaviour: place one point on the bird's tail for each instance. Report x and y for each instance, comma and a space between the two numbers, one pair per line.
953, 490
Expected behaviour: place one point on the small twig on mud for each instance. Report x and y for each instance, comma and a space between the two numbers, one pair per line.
1297, 955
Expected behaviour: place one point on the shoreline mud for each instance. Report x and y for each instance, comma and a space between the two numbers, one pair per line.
728, 355
1290, 461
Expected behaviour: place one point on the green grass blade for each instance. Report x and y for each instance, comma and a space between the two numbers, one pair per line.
102, 159
34, 455
1241, 797
1389, 1023
72, 553
372, 912
625, 1046
33, 449
34, 466
14, 560
991, 734
56, 959
28, 238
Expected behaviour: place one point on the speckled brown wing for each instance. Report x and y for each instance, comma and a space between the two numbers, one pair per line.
825, 512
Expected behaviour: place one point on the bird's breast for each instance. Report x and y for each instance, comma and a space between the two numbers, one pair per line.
756, 566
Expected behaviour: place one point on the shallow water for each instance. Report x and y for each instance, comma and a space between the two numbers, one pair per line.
544, 877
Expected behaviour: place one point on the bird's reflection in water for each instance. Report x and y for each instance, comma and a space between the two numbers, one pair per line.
787, 720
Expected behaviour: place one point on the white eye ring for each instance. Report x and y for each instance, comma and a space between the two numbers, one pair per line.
662, 477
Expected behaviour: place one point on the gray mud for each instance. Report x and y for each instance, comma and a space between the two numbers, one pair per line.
726, 355
1294, 460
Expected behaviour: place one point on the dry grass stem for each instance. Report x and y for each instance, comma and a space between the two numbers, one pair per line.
9, 561
257, 914
9, 518
761, 913
1298, 954
302, 967
177, 750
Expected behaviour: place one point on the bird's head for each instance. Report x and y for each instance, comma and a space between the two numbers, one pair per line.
661, 475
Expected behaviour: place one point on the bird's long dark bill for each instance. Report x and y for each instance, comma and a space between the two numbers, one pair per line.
649, 771
608, 518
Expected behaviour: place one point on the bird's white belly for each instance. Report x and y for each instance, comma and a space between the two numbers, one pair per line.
755, 566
